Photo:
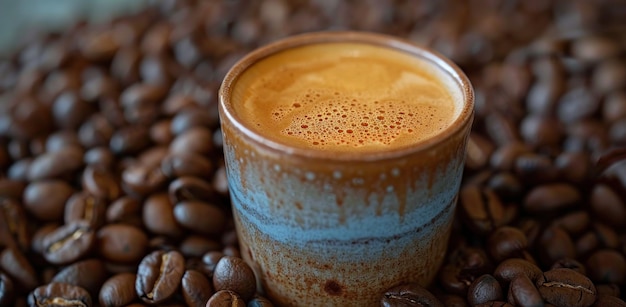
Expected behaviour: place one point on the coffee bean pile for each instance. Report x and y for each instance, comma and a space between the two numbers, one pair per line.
112, 181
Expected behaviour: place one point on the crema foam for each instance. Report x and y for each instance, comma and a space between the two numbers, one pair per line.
346, 97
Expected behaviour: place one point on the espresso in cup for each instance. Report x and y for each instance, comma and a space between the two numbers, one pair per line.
345, 97
344, 155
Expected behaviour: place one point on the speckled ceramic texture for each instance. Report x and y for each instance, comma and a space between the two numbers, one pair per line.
324, 230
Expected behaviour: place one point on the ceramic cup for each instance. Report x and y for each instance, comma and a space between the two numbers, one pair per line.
327, 229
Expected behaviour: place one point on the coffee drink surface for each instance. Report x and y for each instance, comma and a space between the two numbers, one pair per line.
342, 97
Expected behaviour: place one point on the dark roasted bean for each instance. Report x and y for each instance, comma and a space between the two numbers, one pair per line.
232, 273
196, 288
85, 207
482, 209
158, 216
118, 290
69, 243
523, 293
7, 289
122, 243
551, 197
203, 218
565, 287
225, 298
409, 295
59, 294
186, 164
512, 268
15, 264
607, 266
46, 199
484, 289
190, 188
100, 182
87, 274
159, 275
506, 242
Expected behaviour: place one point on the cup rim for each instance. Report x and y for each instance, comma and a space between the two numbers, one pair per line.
463, 119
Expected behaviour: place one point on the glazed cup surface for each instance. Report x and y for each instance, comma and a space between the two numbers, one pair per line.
321, 229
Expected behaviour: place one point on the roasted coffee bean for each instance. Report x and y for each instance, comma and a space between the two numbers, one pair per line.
556, 244
158, 216
160, 132
225, 298
198, 245
197, 140
186, 164
62, 139
88, 274
83, 206
142, 94
551, 197
231, 250
191, 117
99, 156
565, 287
159, 275
13, 225
466, 265
129, 140
607, 266
409, 295
574, 223
100, 182
233, 273
125, 210
56, 164
124, 66
69, 242
176, 103
573, 166
607, 205
537, 168
38, 237
523, 293
122, 243
15, 264
569, 263
191, 188
18, 171
59, 294
482, 209
70, 111
201, 217
118, 290
196, 288
259, 301
7, 289
506, 185
512, 268
484, 289
507, 242
46, 199
209, 262
11, 189
538, 130
141, 180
